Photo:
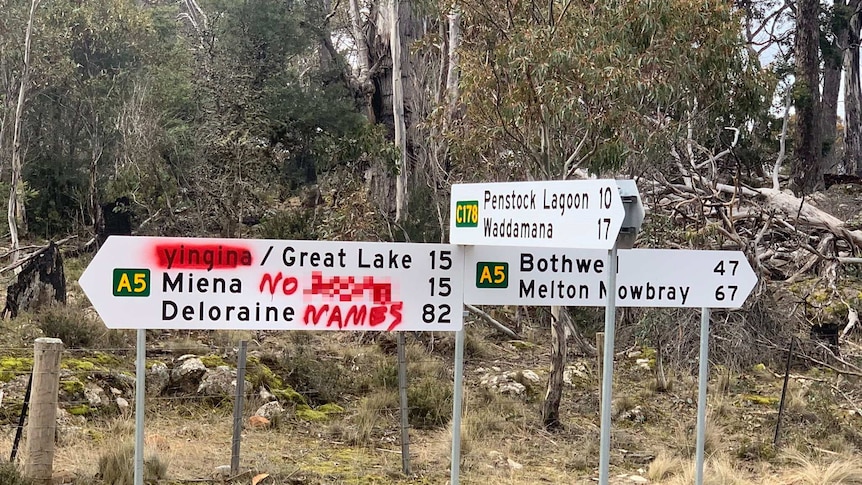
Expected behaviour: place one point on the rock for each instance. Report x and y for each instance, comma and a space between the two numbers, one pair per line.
504, 384
643, 364
220, 383
637, 479
123, 405
221, 473
95, 395
531, 377
271, 410
116, 391
186, 377
69, 427
71, 389
575, 372
265, 395
636, 414
512, 388
258, 422
158, 379
514, 465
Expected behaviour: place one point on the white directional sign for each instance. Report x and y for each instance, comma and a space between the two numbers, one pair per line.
560, 213
190, 283
578, 277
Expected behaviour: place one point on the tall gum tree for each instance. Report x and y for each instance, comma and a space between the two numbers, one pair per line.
595, 85
807, 163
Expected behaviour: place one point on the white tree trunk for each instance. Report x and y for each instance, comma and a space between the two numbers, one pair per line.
452, 92
852, 100
398, 112
363, 60
15, 213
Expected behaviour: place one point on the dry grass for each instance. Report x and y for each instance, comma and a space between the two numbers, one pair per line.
717, 471
838, 470
664, 466
370, 415
116, 466
621, 405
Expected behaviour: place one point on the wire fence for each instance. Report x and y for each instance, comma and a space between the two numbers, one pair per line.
192, 428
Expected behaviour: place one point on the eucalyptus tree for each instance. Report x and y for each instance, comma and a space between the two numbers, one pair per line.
551, 89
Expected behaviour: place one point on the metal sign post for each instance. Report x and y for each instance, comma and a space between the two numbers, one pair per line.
140, 392
703, 379
608, 370
457, 397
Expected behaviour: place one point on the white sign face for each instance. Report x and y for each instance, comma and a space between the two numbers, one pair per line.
556, 213
200, 283
578, 277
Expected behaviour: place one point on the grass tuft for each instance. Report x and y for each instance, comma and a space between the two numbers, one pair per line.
664, 466
117, 466
11, 475
810, 472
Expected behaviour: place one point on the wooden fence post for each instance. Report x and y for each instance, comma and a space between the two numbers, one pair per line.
43, 410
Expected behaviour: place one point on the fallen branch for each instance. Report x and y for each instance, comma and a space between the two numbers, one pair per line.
489, 319
34, 254
852, 320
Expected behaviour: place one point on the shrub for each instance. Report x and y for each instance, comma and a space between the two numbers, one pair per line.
70, 326
10, 475
117, 466
429, 402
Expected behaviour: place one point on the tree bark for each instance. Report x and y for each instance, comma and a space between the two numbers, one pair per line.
363, 61
398, 113
832, 66
853, 98
807, 167
16, 215
554, 394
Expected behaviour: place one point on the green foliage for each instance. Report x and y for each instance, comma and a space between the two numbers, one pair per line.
322, 380
11, 475
608, 82
429, 402
288, 224
68, 325
12, 367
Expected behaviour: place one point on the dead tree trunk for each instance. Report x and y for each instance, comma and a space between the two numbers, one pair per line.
853, 98
807, 166
16, 215
554, 394
398, 113
41, 281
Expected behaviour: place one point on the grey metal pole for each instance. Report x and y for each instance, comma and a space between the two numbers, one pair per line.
238, 401
402, 395
457, 396
701, 394
608, 368
140, 391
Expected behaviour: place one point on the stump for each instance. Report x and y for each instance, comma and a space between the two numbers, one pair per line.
40, 281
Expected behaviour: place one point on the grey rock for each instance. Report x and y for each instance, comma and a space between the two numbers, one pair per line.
220, 382
95, 395
271, 410
158, 379
186, 377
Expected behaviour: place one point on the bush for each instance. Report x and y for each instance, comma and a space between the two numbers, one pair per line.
429, 402
10, 475
68, 325
117, 467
